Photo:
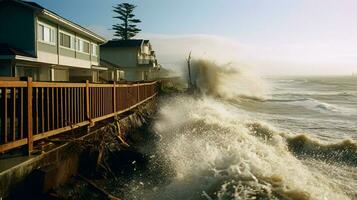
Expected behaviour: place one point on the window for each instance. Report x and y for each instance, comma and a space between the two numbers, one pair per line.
66, 40
82, 46
94, 49
46, 34
60, 74
85, 46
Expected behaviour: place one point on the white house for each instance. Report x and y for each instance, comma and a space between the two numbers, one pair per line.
37, 42
136, 58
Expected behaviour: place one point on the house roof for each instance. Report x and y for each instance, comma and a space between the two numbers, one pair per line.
124, 43
6, 50
53, 16
33, 4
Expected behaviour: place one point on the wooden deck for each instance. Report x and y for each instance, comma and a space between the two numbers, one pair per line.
31, 111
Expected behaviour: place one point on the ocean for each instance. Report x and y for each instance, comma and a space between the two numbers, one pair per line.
245, 137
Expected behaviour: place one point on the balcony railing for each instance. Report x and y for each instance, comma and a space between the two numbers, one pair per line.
31, 111
144, 59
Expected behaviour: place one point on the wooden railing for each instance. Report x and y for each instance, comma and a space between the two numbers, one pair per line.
30, 111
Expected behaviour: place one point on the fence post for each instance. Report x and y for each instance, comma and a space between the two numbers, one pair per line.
138, 99
29, 115
114, 98
88, 103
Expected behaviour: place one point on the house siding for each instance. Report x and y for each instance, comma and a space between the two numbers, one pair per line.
67, 52
17, 27
83, 56
5, 68
127, 57
46, 53
46, 48
56, 54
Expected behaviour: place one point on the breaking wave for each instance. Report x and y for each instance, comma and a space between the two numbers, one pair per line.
304, 146
213, 150
227, 81
216, 153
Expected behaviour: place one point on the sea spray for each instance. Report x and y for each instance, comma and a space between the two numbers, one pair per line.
222, 146
216, 154
227, 81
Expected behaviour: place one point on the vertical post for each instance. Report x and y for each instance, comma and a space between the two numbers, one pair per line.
4, 116
13, 114
189, 71
114, 98
29, 115
87, 101
138, 93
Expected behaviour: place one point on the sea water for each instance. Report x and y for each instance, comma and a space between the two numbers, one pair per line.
255, 138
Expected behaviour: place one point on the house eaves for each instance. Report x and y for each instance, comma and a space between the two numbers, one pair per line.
134, 43
53, 16
39, 10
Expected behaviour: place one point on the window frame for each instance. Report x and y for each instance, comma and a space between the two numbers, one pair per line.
52, 33
85, 41
94, 47
80, 48
72, 40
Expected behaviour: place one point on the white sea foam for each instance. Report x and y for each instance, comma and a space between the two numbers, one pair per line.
216, 154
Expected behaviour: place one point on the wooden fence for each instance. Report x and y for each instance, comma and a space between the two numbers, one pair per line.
30, 111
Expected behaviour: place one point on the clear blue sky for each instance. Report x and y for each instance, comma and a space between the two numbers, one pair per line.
292, 29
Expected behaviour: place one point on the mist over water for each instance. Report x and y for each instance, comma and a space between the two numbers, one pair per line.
249, 138
227, 81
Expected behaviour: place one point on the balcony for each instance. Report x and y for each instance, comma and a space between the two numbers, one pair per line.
147, 60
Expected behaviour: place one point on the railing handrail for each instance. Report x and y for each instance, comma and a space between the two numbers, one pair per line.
37, 110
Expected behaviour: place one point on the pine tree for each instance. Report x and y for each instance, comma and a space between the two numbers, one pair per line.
128, 28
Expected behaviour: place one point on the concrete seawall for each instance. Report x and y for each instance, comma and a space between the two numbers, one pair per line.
26, 176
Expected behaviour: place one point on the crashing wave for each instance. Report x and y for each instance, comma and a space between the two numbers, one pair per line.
217, 154
227, 81
343, 152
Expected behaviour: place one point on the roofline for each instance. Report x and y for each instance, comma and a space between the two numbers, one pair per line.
73, 25
57, 17
25, 4
17, 57
112, 40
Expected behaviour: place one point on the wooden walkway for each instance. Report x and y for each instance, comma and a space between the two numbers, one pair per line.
31, 111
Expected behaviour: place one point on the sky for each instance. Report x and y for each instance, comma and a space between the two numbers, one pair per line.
272, 37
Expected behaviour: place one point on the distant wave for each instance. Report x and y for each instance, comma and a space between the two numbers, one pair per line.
340, 152
304, 146
311, 104
291, 81
309, 93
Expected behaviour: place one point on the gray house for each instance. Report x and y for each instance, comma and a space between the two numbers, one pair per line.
39, 43
136, 58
